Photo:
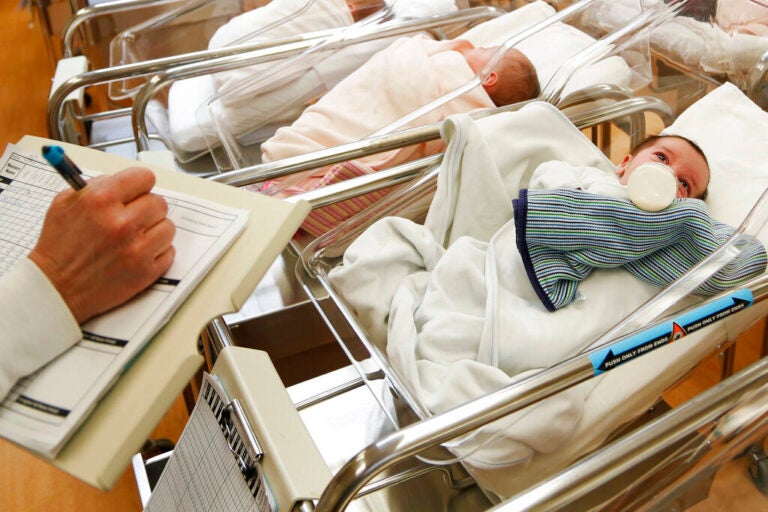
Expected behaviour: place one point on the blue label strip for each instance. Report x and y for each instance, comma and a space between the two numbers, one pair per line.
672, 330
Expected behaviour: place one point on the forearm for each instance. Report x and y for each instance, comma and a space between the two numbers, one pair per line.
36, 324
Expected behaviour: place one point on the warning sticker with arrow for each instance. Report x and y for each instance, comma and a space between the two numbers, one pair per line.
667, 332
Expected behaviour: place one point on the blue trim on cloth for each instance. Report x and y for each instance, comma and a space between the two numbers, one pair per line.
520, 208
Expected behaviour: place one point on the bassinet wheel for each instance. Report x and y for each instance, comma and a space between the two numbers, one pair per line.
153, 447
758, 471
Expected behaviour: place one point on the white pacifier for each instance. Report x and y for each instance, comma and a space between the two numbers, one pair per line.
652, 186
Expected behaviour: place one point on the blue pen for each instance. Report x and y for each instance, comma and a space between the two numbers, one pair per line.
66, 167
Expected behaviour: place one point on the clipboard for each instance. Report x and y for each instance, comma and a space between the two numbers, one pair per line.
244, 447
102, 448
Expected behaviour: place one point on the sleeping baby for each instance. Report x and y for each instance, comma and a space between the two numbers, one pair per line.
418, 71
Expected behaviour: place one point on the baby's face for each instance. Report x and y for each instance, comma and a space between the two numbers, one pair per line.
477, 58
689, 166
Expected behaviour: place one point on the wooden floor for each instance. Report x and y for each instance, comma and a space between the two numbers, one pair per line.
28, 484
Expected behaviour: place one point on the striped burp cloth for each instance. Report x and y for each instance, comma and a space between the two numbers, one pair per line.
563, 234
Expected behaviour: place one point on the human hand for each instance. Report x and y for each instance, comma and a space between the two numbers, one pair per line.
102, 245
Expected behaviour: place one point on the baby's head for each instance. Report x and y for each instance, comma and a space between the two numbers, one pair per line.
512, 80
683, 156
364, 8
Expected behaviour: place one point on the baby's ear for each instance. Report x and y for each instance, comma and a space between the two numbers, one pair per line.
491, 80
623, 165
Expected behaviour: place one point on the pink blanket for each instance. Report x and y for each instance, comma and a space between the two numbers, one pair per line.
742, 16
394, 82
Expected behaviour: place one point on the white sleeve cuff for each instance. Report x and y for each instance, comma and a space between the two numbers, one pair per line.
36, 324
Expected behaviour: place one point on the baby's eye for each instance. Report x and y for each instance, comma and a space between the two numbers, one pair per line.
684, 184
662, 157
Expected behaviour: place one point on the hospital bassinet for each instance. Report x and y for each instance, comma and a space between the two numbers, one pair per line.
697, 46
203, 24
377, 372
92, 25
110, 129
578, 74
375, 369
293, 82
327, 258
611, 67
548, 38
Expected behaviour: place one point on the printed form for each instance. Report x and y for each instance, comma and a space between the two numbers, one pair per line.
204, 475
44, 409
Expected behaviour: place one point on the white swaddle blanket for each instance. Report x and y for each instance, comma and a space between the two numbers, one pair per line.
450, 303
451, 300
421, 8
239, 105
695, 43
277, 19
